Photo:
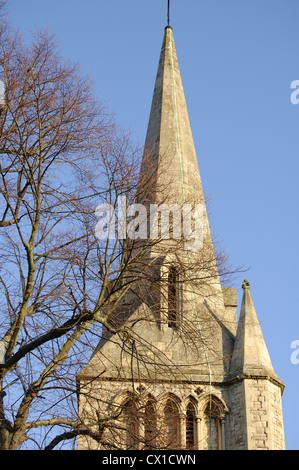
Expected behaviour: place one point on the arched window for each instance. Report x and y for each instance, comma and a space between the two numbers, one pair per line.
150, 425
171, 421
173, 298
190, 427
212, 426
130, 420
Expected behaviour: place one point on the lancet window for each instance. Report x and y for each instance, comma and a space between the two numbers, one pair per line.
190, 427
130, 420
150, 425
212, 431
173, 297
171, 423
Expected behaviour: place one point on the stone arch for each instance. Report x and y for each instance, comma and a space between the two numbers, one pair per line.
171, 411
118, 400
150, 422
191, 412
213, 410
130, 421
162, 399
212, 398
125, 405
190, 398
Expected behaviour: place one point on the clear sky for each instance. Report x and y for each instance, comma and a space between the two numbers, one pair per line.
238, 59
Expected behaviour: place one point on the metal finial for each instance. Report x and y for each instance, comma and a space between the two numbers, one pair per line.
168, 13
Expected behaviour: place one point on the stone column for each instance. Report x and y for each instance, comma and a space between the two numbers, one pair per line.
141, 434
197, 431
222, 430
182, 429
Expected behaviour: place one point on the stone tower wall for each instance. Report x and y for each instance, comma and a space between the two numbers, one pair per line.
236, 435
264, 415
255, 417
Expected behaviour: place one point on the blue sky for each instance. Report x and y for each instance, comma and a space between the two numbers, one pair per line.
238, 59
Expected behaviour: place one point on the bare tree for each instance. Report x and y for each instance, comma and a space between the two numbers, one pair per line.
67, 284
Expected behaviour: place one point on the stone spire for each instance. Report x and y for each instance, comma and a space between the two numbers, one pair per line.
170, 164
250, 356
170, 155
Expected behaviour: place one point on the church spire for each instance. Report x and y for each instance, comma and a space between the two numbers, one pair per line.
169, 148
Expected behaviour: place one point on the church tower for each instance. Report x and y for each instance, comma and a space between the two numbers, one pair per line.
180, 372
